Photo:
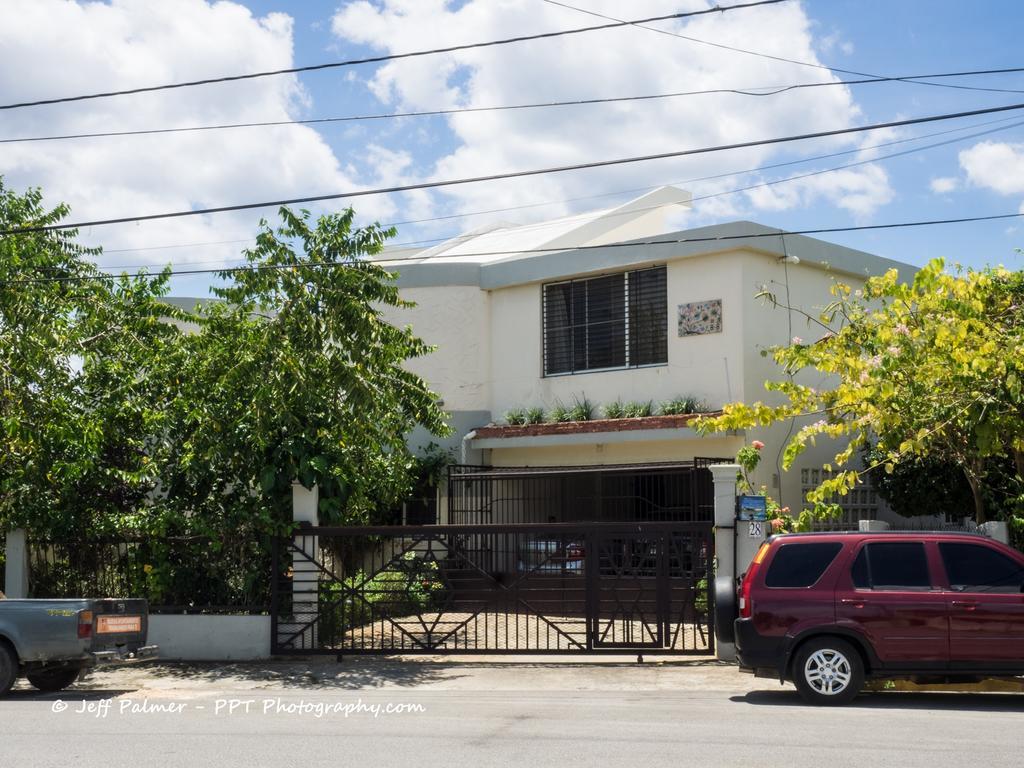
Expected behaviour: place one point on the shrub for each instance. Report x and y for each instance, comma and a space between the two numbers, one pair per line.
516, 416
700, 601
582, 410
559, 413
680, 406
614, 410
635, 409
535, 415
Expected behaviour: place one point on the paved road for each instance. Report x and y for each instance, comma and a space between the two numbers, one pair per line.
483, 714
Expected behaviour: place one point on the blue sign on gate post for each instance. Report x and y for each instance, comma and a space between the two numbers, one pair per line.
752, 508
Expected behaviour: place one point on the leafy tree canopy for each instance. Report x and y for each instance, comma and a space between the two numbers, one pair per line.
76, 403
932, 370
296, 376
112, 417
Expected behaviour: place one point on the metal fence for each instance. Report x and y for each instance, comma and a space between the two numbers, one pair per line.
176, 575
678, 492
553, 588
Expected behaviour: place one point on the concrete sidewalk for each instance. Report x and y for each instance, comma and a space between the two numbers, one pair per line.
449, 673
454, 673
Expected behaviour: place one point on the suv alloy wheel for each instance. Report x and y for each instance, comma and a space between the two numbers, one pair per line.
828, 671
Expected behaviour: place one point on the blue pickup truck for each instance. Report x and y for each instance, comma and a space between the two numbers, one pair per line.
51, 642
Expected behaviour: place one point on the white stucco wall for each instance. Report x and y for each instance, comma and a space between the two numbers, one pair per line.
210, 638
489, 359
765, 326
456, 320
707, 367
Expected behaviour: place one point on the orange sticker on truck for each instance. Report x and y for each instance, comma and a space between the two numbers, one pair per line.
109, 625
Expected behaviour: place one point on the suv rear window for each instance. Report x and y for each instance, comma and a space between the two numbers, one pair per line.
800, 565
976, 568
891, 565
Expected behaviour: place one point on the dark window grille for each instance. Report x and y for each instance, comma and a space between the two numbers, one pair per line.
611, 321
677, 492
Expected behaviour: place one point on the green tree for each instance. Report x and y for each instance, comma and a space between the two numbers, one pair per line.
930, 370
113, 419
74, 397
295, 375
928, 486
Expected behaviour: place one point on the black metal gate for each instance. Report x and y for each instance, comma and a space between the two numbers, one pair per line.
633, 493
550, 588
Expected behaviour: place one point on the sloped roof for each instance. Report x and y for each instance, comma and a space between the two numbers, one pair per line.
502, 241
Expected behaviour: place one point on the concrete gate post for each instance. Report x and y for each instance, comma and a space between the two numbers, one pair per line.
16, 570
305, 574
736, 543
724, 476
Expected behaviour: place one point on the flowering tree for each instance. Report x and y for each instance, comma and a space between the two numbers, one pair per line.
933, 369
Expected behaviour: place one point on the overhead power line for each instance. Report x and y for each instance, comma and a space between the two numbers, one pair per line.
615, 193
633, 244
387, 57
767, 90
815, 65
512, 174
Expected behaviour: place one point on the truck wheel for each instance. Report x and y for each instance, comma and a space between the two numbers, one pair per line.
828, 671
52, 680
8, 668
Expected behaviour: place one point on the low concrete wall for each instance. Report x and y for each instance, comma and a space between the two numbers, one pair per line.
211, 638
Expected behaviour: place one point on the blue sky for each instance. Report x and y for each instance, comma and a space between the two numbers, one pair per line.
123, 44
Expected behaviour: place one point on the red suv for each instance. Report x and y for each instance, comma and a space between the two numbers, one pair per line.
827, 611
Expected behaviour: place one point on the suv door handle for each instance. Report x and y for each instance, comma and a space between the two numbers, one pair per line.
856, 602
967, 605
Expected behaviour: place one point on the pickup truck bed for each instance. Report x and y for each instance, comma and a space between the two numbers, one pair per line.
52, 641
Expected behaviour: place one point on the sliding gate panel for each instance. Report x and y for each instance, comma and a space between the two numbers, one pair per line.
556, 588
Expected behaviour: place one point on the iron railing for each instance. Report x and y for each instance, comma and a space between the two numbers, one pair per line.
176, 574
679, 492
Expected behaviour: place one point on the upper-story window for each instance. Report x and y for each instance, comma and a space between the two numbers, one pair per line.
611, 321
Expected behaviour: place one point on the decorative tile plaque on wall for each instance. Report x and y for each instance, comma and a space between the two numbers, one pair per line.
700, 317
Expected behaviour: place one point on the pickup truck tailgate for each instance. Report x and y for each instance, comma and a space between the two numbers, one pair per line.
119, 624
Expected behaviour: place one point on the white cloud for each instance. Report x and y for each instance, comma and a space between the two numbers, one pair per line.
998, 166
610, 63
943, 185
834, 41
79, 47
860, 191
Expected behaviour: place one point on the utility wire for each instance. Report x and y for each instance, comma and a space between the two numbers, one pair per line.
627, 191
643, 25
867, 161
388, 57
700, 178
633, 244
514, 174
767, 90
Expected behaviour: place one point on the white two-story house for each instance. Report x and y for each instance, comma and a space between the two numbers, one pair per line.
607, 307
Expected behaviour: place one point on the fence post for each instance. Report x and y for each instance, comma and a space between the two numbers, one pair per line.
305, 573
16, 571
724, 476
